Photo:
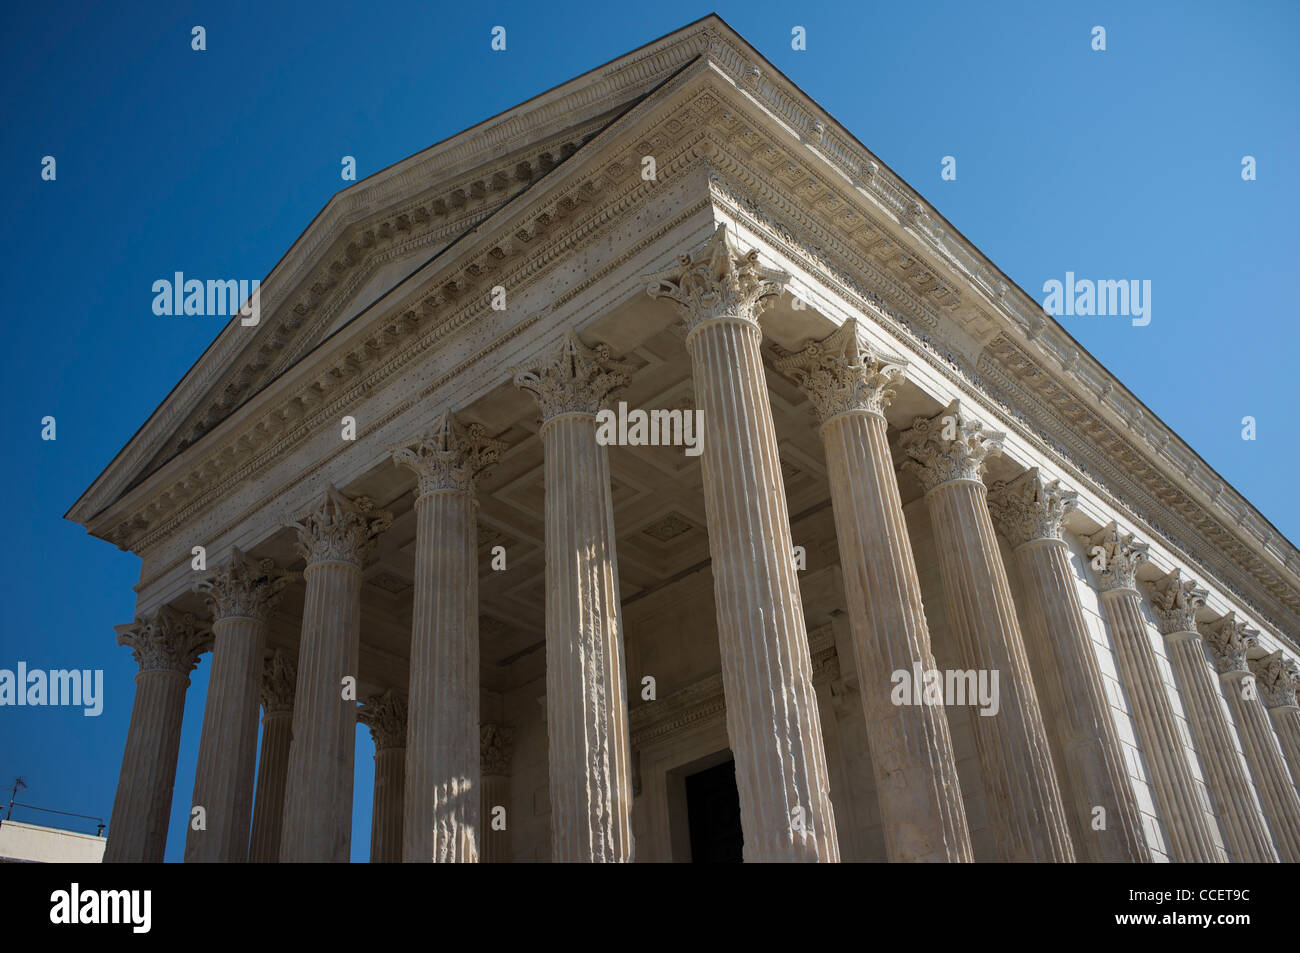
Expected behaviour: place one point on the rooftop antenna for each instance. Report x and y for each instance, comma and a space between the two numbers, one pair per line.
13, 795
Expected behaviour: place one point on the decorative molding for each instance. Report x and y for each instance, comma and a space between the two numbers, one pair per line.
385, 716
496, 746
1175, 601
170, 641
243, 588
574, 380
1120, 555
340, 530
841, 374
450, 457
1029, 507
1229, 640
1278, 678
949, 446
718, 281
279, 681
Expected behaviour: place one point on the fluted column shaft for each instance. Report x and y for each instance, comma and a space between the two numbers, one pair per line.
911, 748
586, 687
223, 778
142, 807
1015, 761
772, 716
586, 684
1273, 784
1278, 678
1077, 709
1286, 723
1229, 641
317, 824
268, 810
442, 740
917, 788
495, 749
443, 775
386, 821
167, 648
1245, 836
1186, 826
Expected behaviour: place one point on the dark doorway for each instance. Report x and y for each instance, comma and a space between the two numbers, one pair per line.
713, 814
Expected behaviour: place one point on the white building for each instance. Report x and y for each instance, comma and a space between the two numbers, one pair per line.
396, 481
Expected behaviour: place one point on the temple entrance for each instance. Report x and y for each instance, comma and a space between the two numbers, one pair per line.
713, 815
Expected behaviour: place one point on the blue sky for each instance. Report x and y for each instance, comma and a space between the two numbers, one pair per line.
1117, 164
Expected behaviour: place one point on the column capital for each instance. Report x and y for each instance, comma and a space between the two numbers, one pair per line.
1175, 601
718, 281
449, 456
1229, 640
1278, 678
949, 446
385, 716
279, 679
1029, 507
1120, 555
574, 380
170, 641
243, 588
841, 374
496, 748
339, 529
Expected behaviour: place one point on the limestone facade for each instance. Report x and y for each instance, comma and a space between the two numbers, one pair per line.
930, 584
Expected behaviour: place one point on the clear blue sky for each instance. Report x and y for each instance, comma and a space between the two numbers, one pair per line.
1122, 164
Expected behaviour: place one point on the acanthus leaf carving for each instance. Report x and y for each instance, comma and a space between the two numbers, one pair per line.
575, 380
340, 530
718, 281
279, 681
1229, 640
840, 374
449, 456
1175, 601
170, 641
949, 446
1029, 507
1278, 678
385, 716
496, 748
1115, 557
243, 587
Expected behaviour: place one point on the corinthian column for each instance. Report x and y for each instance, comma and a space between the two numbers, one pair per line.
1245, 837
1191, 838
921, 809
1030, 512
947, 454
334, 539
496, 745
278, 677
386, 717
586, 686
1277, 678
442, 779
241, 595
772, 718
166, 647
1228, 640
